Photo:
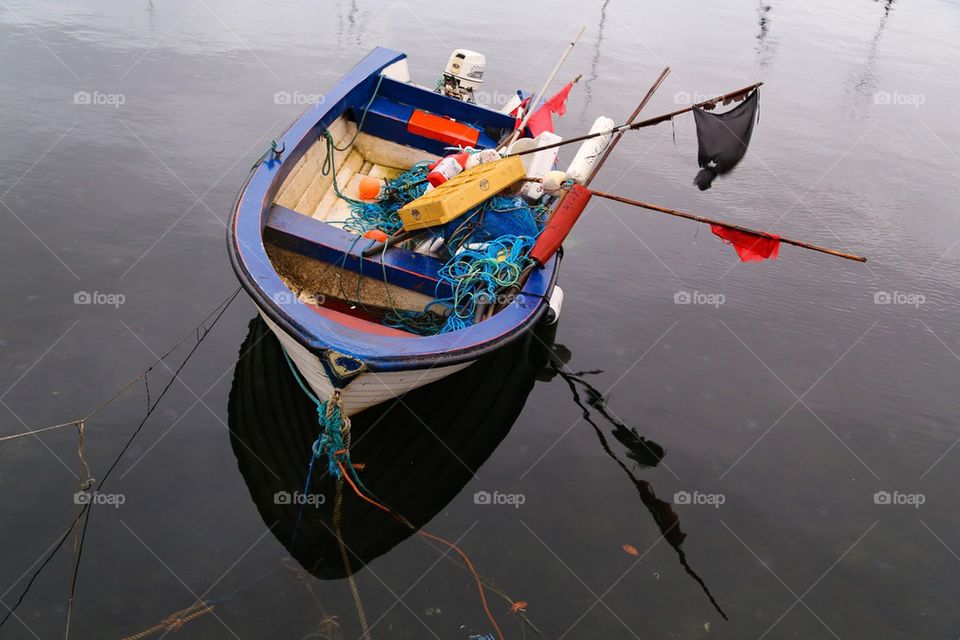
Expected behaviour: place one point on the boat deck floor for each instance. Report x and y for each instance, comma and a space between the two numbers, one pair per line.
308, 191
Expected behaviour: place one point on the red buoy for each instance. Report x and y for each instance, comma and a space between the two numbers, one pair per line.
560, 224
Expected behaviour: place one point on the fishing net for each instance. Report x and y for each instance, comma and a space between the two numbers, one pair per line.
476, 276
486, 250
384, 213
497, 217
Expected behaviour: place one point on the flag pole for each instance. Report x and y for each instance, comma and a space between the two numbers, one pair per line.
630, 120
645, 123
532, 105
727, 225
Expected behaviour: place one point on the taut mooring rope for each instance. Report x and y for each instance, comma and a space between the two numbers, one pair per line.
85, 510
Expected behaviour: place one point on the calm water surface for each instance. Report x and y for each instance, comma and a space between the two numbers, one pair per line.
792, 404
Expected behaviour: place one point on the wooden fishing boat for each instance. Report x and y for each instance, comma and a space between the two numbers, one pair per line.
309, 277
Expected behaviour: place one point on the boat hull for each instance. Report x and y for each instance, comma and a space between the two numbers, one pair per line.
364, 390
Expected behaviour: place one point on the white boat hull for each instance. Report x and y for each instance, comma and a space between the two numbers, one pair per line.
365, 390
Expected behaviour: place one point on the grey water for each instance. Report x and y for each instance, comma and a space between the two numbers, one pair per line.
807, 406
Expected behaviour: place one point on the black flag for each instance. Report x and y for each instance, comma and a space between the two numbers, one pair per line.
723, 139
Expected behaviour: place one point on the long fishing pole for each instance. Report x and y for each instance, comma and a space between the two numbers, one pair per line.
636, 113
535, 98
645, 123
727, 225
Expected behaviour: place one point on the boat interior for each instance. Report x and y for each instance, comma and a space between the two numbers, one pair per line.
319, 260
306, 242
308, 191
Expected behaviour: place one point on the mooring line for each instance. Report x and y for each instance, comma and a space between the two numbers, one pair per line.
85, 510
86, 520
36, 431
193, 333
463, 556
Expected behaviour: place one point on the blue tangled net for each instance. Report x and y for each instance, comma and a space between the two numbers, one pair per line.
486, 250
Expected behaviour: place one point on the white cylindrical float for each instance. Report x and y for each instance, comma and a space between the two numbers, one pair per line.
590, 150
539, 163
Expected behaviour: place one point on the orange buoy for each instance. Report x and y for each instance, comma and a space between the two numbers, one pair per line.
369, 188
375, 234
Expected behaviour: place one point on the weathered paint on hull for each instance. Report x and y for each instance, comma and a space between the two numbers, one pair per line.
368, 388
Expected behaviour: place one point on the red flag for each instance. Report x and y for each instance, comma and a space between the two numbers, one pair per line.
558, 103
749, 246
542, 120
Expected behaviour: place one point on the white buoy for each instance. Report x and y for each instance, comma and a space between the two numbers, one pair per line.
556, 304
553, 180
590, 150
537, 164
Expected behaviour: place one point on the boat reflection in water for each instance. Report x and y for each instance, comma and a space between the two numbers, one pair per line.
418, 453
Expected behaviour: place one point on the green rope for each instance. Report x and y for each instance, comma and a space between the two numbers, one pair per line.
363, 118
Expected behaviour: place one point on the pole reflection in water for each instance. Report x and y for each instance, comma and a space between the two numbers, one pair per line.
643, 452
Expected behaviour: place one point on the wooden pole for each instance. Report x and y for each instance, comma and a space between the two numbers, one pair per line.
645, 123
379, 247
712, 101
546, 85
727, 225
633, 117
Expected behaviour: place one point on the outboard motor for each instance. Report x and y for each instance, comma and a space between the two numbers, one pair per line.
463, 75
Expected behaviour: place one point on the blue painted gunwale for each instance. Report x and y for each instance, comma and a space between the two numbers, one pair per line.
319, 335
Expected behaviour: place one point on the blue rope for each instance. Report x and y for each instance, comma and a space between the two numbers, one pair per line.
475, 276
329, 443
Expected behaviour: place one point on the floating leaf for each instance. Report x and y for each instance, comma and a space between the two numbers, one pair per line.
519, 605
632, 550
